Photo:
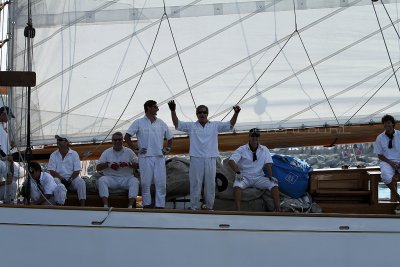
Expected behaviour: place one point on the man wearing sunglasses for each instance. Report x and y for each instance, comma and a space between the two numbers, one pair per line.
203, 138
65, 164
249, 162
151, 132
117, 164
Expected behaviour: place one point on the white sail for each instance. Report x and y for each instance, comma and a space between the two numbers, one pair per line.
92, 78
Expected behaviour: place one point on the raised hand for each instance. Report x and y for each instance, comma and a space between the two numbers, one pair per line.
172, 105
237, 109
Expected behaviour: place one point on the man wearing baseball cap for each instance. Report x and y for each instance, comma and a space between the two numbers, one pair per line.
64, 163
249, 162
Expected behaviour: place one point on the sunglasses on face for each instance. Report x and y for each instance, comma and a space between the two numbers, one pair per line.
202, 112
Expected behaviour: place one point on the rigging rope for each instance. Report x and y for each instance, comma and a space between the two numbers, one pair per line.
386, 47
177, 53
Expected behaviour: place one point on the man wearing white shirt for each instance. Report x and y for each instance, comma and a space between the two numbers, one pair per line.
203, 138
8, 185
249, 162
387, 146
117, 164
44, 190
151, 132
64, 164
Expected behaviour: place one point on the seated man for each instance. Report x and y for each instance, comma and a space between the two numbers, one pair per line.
387, 146
117, 163
248, 161
64, 164
44, 190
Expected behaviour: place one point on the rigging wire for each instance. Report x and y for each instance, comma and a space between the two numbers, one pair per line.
259, 77
311, 64
137, 85
386, 47
380, 87
179, 57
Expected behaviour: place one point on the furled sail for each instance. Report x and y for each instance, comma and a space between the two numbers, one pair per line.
289, 64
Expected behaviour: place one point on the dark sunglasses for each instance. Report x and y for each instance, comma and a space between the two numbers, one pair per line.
202, 112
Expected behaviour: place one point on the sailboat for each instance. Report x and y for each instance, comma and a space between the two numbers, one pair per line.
304, 72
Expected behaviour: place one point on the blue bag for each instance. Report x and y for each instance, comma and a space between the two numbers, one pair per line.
292, 174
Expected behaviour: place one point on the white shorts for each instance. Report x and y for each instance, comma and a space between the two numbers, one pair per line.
387, 172
260, 182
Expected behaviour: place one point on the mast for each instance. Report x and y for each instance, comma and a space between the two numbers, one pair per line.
29, 34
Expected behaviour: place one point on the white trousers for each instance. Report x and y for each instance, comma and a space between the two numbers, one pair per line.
116, 182
79, 185
8, 192
58, 197
202, 168
152, 169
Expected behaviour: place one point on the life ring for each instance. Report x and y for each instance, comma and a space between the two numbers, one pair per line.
221, 182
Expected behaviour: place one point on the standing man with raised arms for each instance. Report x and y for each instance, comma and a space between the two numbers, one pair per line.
203, 138
151, 132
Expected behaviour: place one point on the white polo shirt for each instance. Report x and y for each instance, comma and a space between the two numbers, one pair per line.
203, 140
125, 155
243, 157
65, 167
150, 135
381, 146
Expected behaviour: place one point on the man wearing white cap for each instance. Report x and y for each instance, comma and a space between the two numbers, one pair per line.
64, 163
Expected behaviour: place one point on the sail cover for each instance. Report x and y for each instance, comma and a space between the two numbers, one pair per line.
287, 63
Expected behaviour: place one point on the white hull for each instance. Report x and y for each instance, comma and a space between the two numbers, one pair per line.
67, 237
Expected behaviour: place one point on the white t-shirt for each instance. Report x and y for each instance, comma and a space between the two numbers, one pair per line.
203, 140
125, 155
243, 157
150, 135
65, 167
381, 146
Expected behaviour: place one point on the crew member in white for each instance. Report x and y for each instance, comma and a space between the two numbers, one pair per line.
64, 163
151, 132
44, 189
249, 162
203, 138
117, 164
8, 183
387, 146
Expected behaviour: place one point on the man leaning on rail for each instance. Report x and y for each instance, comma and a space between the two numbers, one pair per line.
249, 162
387, 146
